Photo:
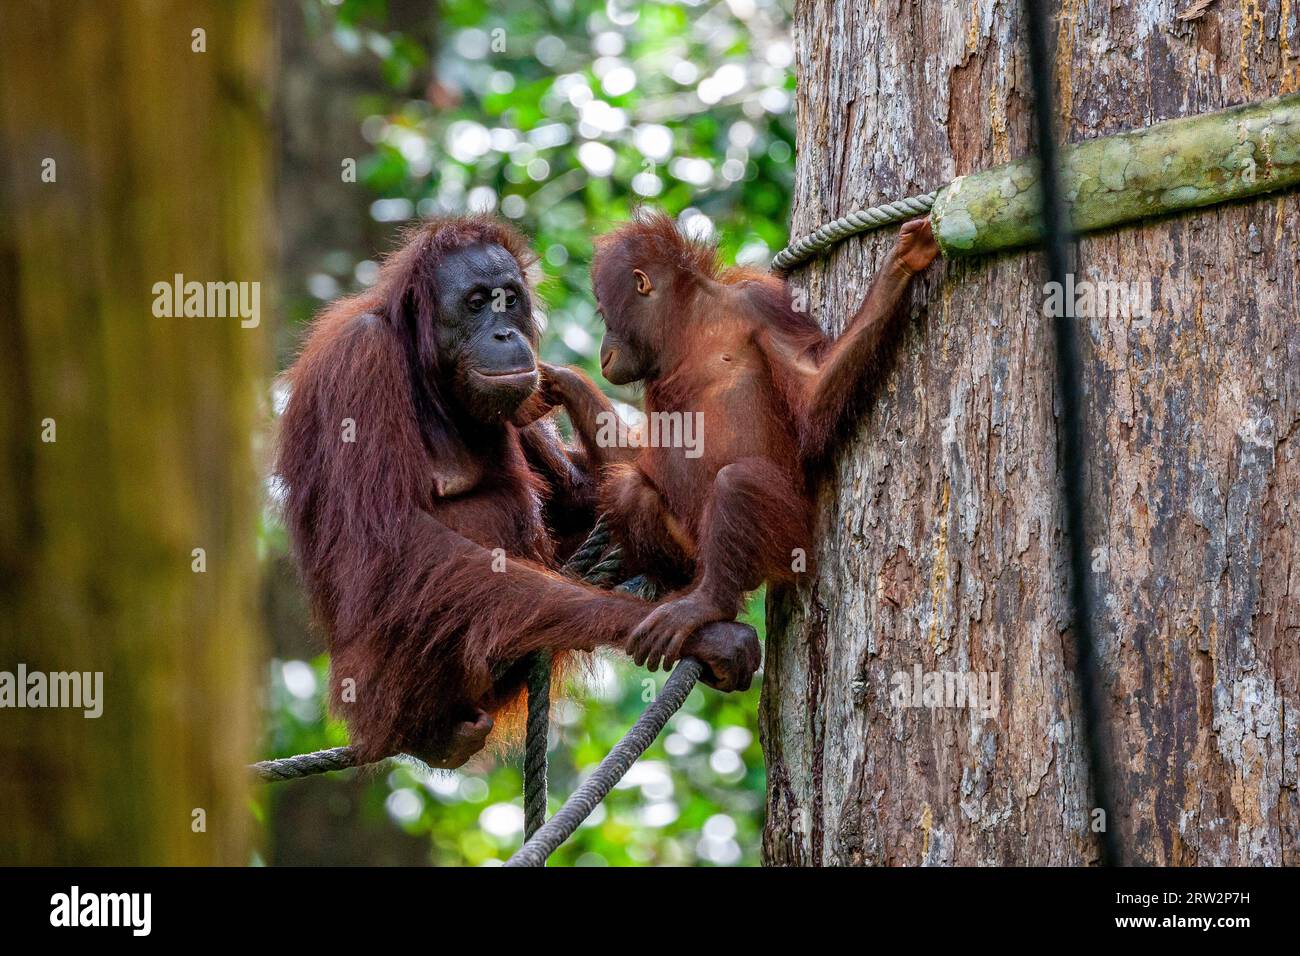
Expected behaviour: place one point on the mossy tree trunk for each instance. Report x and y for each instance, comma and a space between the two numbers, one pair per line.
158, 157
941, 530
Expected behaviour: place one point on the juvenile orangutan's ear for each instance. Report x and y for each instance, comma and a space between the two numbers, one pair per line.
643, 283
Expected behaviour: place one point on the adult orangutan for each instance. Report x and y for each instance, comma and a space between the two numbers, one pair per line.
771, 391
418, 494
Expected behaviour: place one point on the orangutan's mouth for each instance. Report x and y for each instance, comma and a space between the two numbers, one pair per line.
523, 377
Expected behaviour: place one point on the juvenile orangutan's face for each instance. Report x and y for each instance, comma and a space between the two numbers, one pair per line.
629, 300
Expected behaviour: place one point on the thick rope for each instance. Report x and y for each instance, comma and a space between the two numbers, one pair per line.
535, 742
864, 220
598, 570
580, 561
304, 765
611, 770
583, 563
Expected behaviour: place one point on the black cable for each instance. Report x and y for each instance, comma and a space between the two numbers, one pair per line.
1056, 239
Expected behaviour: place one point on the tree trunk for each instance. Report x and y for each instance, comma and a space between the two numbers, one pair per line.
158, 154
941, 541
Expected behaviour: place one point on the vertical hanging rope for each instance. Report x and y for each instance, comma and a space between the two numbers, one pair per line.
1055, 242
535, 741
595, 562
616, 763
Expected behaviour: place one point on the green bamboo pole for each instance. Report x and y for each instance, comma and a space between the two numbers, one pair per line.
1180, 164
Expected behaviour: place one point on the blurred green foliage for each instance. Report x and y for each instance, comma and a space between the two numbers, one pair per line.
562, 115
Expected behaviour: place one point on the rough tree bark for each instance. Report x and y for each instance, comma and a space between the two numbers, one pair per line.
159, 153
941, 532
